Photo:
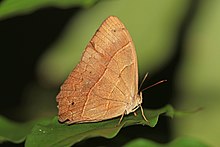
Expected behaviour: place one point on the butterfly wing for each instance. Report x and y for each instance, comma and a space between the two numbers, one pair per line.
103, 84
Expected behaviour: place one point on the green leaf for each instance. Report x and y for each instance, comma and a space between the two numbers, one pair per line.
10, 8
14, 132
179, 142
55, 134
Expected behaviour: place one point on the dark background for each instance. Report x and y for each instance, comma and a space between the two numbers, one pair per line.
23, 40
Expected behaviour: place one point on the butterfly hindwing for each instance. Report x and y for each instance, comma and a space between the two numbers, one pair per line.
104, 82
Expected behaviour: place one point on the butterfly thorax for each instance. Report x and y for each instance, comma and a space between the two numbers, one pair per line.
134, 103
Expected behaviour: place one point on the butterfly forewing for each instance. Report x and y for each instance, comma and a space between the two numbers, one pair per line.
103, 84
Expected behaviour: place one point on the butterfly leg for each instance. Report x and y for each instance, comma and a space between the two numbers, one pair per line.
135, 113
121, 118
142, 112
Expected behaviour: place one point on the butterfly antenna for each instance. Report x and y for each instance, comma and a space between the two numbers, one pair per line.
153, 85
142, 81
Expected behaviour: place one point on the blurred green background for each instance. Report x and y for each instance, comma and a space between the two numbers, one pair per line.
175, 40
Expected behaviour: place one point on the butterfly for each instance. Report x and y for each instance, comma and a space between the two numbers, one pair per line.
104, 84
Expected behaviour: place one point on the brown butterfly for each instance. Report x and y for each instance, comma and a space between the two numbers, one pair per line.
104, 84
